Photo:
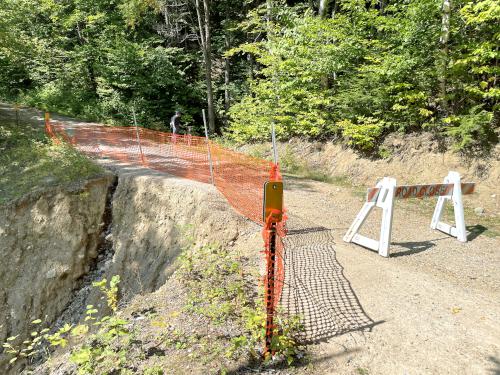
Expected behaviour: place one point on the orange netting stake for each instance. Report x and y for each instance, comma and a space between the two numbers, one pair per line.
273, 233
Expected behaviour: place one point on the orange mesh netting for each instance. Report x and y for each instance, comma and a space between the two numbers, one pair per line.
240, 178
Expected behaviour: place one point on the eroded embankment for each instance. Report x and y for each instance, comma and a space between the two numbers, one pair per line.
153, 216
48, 241
56, 244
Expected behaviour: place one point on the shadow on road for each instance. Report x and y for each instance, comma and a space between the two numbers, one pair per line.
316, 288
475, 231
496, 362
413, 248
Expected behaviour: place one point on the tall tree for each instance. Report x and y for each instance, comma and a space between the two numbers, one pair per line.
445, 37
203, 16
323, 7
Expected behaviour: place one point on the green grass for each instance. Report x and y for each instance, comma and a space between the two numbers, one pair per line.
30, 160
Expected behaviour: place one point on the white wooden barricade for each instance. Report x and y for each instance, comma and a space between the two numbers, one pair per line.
386, 191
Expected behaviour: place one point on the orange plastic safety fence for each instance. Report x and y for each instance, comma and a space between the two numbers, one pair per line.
240, 178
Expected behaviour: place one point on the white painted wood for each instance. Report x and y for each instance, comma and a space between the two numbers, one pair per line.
438, 211
358, 221
366, 242
386, 202
447, 228
458, 230
458, 207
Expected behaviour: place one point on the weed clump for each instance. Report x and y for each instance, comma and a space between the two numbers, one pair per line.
220, 290
29, 159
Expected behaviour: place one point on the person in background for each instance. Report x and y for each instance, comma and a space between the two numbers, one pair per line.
175, 122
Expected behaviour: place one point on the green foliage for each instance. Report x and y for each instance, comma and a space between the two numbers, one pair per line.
28, 159
110, 292
214, 277
283, 344
100, 352
156, 370
474, 132
306, 74
364, 134
87, 59
219, 291
366, 72
477, 61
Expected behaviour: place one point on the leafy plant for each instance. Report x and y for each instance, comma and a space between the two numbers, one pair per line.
215, 281
364, 134
473, 133
283, 344
89, 357
110, 292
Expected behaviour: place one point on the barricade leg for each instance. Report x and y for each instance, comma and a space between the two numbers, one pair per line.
458, 230
358, 221
387, 204
385, 200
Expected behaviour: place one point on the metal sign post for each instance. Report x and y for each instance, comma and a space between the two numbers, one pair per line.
137, 134
273, 139
208, 147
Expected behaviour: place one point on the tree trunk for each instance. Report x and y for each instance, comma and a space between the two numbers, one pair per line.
206, 46
323, 8
227, 97
445, 36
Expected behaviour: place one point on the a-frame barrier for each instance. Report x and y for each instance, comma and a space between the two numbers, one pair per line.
386, 191
458, 230
382, 197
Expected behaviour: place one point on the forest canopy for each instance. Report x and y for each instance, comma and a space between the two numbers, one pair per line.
351, 70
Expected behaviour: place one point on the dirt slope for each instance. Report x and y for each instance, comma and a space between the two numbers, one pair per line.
48, 241
410, 158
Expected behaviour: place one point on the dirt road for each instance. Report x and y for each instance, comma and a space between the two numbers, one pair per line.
432, 308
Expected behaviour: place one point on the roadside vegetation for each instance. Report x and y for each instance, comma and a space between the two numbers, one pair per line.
353, 71
30, 160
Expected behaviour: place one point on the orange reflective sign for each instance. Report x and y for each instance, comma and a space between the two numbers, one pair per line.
273, 201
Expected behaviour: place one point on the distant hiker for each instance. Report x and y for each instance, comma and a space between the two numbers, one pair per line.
175, 122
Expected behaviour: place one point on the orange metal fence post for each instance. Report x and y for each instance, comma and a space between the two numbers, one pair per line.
272, 215
270, 294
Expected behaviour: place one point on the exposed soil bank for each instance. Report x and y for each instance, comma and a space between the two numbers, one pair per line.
58, 242
411, 159
48, 241
153, 216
